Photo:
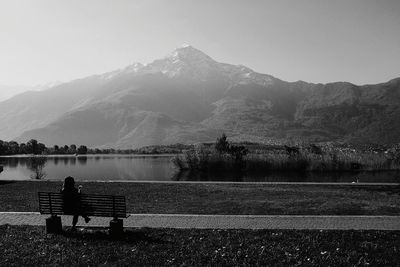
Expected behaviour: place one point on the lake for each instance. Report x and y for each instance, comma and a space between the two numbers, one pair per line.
158, 168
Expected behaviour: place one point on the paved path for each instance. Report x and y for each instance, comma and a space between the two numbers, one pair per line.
223, 221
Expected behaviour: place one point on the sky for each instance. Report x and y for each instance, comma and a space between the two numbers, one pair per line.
310, 40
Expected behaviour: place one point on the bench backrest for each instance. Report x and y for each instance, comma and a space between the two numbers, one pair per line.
89, 204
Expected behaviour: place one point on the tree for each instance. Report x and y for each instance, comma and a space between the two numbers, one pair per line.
40, 148
222, 145
82, 150
3, 148
23, 148
13, 147
32, 146
72, 148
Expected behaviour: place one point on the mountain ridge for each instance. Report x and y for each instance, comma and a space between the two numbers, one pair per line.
189, 97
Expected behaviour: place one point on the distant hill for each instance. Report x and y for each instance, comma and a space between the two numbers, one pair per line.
188, 97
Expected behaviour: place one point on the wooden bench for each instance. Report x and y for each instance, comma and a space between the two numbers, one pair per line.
90, 205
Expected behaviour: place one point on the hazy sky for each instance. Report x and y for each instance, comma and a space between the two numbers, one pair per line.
311, 40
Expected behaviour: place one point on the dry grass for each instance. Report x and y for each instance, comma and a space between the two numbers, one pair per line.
31, 246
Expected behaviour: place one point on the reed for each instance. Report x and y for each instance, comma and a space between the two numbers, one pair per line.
304, 159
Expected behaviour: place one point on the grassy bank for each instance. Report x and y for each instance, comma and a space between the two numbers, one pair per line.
224, 156
223, 198
24, 245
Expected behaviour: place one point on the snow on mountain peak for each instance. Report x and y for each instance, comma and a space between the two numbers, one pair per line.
186, 60
185, 45
191, 63
135, 67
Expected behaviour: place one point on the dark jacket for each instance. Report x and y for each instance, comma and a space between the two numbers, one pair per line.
71, 201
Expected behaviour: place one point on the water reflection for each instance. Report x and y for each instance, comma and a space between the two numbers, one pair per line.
98, 167
82, 160
36, 165
159, 168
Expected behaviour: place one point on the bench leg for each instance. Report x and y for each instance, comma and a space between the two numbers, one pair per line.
53, 225
116, 227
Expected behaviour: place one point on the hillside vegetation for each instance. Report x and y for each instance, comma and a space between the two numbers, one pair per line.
188, 97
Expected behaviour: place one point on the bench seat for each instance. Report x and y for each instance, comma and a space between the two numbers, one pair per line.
89, 204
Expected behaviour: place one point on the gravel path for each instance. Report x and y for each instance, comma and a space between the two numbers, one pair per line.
223, 221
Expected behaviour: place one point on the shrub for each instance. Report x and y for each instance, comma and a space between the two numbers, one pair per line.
36, 165
222, 145
228, 157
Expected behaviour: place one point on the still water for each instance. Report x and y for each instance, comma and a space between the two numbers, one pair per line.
158, 168
91, 167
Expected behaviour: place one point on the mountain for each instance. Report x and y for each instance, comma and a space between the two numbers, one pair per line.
189, 97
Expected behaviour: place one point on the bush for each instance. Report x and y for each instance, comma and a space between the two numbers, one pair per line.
36, 164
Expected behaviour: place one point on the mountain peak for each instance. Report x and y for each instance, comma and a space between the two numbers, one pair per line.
134, 67
185, 45
187, 61
187, 52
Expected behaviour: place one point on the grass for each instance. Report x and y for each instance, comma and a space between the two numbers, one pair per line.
31, 246
200, 198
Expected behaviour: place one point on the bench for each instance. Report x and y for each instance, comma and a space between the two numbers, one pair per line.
90, 204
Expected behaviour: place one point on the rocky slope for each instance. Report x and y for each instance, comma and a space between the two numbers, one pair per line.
188, 97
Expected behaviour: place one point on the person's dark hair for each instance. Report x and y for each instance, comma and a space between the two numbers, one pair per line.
69, 183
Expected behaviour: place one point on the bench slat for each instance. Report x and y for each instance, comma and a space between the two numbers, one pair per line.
44, 198
85, 211
86, 201
118, 215
46, 194
100, 214
91, 204
61, 211
86, 208
87, 205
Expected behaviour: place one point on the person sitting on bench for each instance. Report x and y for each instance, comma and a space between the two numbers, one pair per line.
71, 199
